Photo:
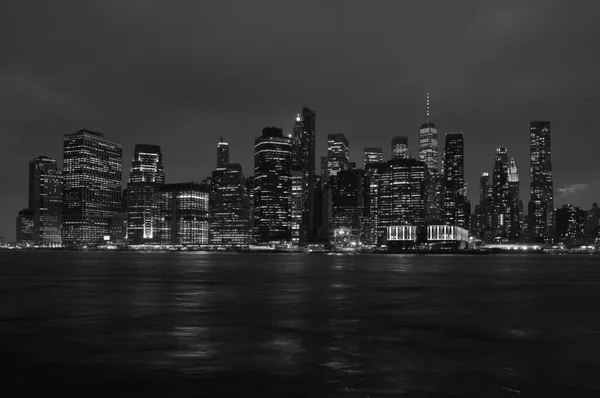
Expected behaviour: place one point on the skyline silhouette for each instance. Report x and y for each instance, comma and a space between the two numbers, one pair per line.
181, 78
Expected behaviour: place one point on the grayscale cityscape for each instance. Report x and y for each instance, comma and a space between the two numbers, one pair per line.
300, 198
404, 202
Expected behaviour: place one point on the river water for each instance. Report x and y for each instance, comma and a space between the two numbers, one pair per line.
297, 325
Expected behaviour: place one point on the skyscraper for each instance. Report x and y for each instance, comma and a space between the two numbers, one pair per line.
299, 229
303, 166
402, 199
272, 186
222, 154
570, 224
347, 207
230, 210
400, 147
428, 143
541, 204
46, 186
338, 154
146, 177
485, 189
515, 205
429, 154
92, 186
183, 214
372, 233
454, 189
25, 227
483, 212
373, 155
500, 193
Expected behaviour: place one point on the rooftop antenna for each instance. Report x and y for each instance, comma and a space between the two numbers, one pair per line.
428, 109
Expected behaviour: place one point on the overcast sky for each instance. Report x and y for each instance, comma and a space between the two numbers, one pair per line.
181, 74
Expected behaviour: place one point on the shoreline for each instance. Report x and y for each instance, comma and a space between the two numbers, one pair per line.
332, 252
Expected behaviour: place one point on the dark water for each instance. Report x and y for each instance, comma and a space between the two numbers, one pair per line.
189, 324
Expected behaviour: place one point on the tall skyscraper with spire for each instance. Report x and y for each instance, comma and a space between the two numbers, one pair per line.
222, 154
429, 154
541, 203
500, 193
515, 205
303, 174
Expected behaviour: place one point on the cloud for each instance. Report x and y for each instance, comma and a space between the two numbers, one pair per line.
572, 189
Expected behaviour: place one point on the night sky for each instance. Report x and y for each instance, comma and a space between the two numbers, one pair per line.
181, 74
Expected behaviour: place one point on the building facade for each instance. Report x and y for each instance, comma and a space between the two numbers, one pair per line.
372, 155
46, 200
570, 224
146, 177
372, 234
338, 154
400, 147
183, 214
515, 205
222, 154
303, 167
230, 208
272, 186
500, 194
429, 154
24, 233
347, 205
92, 187
454, 188
402, 199
541, 203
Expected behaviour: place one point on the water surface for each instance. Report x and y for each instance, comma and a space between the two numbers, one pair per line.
292, 325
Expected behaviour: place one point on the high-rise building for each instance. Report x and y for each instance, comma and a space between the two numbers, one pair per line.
222, 154
541, 204
400, 147
429, 154
46, 196
500, 193
515, 205
338, 154
25, 227
347, 206
303, 167
372, 234
230, 218
592, 223
299, 230
324, 170
402, 188
183, 214
570, 224
482, 223
373, 155
272, 186
454, 188
92, 186
146, 177
320, 228
249, 185
485, 189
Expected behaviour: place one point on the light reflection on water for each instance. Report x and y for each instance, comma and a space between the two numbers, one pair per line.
304, 325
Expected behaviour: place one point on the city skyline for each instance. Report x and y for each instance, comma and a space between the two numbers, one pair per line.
498, 81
